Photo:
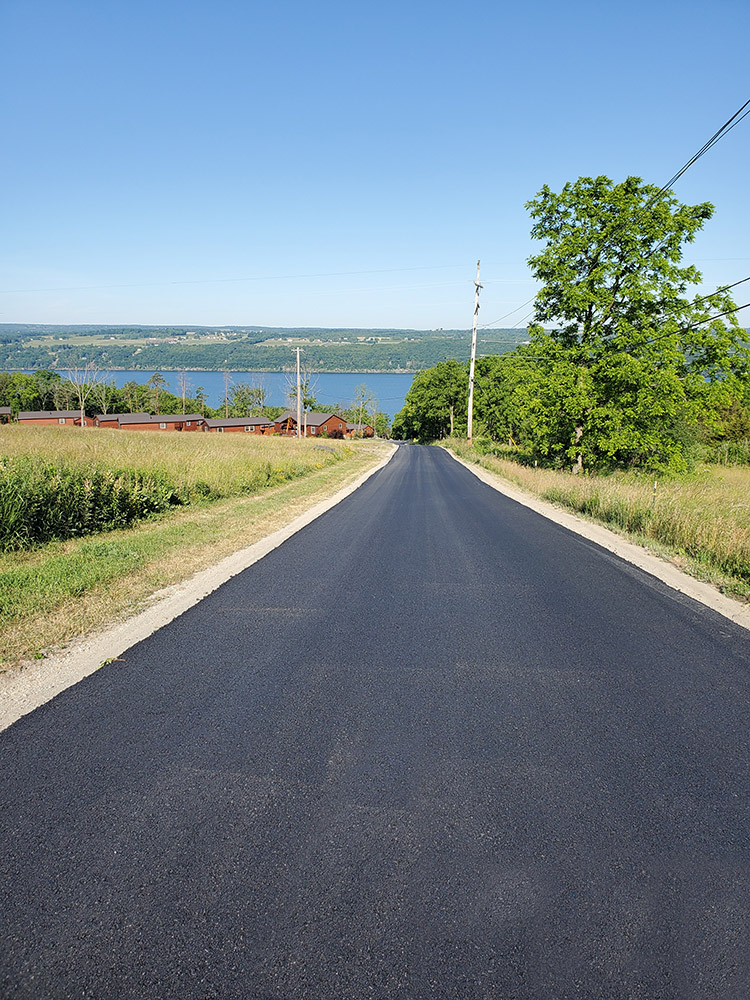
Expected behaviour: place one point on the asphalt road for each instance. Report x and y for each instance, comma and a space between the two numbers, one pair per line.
433, 746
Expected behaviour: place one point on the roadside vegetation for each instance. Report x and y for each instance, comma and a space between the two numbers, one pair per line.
233, 492
58, 483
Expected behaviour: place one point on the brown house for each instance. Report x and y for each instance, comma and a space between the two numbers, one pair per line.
112, 420
61, 417
252, 425
359, 430
313, 425
4, 414
161, 422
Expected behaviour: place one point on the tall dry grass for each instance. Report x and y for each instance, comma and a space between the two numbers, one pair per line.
61, 482
704, 516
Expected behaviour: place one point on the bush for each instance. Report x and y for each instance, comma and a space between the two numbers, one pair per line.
41, 501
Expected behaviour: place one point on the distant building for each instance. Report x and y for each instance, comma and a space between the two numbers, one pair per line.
161, 422
313, 425
112, 420
359, 430
60, 417
248, 425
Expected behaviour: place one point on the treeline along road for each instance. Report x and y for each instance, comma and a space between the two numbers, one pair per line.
433, 746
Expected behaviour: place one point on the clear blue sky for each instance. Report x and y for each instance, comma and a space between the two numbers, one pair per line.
349, 162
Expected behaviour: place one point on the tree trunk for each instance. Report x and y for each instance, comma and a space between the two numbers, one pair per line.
578, 466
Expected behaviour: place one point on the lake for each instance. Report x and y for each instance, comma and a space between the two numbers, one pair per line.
328, 387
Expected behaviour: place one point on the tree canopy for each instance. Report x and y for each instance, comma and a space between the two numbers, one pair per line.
623, 366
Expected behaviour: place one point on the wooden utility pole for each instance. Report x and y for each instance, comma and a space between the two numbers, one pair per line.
470, 422
299, 399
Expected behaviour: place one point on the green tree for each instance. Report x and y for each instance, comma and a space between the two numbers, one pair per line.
436, 403
156, 383
135, 396
28, 392
632, 362
246, 400
201, 397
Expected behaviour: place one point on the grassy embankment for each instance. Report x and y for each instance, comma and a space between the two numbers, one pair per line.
233, 489
700, 521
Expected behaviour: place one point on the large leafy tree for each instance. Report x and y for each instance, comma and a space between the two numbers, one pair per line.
632, 361
436, 403
29, 392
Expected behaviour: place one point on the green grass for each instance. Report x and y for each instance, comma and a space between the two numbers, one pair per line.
701, 519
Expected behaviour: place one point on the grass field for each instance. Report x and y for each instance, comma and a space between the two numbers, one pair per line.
63, 589
60, 482
700, 520
219, 465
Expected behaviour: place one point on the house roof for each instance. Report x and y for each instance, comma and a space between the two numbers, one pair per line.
159, 418
313, 419
41, 414
358, 427
119, 416
4, 409
240, 422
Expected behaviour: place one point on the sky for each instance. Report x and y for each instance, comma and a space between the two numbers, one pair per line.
343, 164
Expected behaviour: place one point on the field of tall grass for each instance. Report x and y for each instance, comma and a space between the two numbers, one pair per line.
702, 518
61, 482
64, 589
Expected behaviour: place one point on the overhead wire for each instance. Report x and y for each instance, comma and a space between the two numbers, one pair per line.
486, 326
716, 137
735, 119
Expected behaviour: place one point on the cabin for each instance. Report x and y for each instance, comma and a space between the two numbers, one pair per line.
313, 425
161, 422
5, 414
248, 425
359, 430
70, 418
112, 420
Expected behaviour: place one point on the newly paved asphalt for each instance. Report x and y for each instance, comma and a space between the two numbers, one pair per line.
433, 746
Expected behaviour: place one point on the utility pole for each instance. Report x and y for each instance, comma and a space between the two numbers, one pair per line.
226, 394
470, 423
299, 399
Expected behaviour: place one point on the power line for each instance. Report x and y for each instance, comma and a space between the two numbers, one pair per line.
718, 291
736, 118
716, 137
710, 319
487, 325
645, 343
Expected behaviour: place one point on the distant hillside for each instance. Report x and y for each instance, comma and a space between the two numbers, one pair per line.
149, 348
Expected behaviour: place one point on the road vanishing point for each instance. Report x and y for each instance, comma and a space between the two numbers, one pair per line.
433, 746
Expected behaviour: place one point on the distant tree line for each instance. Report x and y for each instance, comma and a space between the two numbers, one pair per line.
244, 355
48, 390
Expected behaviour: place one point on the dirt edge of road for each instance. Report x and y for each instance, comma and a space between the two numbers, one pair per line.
635, 554
42, 680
